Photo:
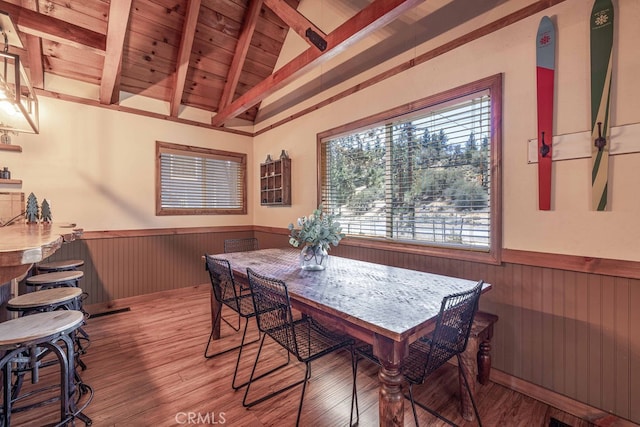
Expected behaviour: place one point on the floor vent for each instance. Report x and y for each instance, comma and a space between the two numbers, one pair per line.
557, 423
108, 313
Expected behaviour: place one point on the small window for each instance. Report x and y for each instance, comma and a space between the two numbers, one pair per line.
199, 181
425, 175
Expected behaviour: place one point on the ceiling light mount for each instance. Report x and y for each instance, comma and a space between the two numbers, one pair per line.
18, 101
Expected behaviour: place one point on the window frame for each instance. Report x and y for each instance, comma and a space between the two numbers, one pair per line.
188, 150
491, 84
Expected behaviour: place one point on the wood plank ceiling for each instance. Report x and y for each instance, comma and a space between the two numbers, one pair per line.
217, 55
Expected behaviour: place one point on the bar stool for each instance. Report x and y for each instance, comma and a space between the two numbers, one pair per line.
69, 278
46, 300
62, 265
50, 300
25, 341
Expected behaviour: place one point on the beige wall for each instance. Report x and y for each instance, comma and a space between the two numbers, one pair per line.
571, 227
569, 332
96, 166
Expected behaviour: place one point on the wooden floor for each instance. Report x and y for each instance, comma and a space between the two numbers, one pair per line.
147, 368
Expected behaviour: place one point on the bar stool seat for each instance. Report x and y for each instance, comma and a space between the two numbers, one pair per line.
24, 340
38, 327
55, 279
46, 300
61, 265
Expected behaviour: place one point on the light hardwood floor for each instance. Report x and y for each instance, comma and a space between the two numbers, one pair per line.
147, 368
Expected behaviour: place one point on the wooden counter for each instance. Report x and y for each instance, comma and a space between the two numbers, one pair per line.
21, 245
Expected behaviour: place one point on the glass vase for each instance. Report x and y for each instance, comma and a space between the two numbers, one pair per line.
314, 258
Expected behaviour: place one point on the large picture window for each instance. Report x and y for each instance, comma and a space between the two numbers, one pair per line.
199, 181
427, 175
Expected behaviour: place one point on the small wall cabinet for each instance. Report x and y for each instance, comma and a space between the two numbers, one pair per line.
275, 183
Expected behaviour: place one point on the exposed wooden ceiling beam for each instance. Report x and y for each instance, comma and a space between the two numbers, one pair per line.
466, 38
34, 52
31, 22
239, 56
119, 12
184, 54
297, 22
376, 15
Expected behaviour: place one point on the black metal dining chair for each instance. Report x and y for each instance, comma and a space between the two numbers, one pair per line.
304, 338
225, 292
428, 353
241, 245
244, 244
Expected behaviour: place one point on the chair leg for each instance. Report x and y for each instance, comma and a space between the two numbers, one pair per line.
242, 343
235, 328
354, 391
426, 408
413, 404
307, 375
466, 383
6, 396
247, 404
206, 350
235, 372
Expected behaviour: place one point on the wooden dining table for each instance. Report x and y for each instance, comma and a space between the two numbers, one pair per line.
388, 307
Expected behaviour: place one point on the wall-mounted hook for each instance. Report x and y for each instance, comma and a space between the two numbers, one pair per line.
600, 142
544, 150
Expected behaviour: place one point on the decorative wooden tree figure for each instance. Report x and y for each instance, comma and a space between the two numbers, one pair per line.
32, 212
45, 212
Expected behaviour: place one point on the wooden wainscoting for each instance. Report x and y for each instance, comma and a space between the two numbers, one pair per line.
566, 331
127, 264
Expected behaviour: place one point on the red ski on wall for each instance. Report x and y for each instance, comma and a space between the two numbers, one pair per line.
545, 76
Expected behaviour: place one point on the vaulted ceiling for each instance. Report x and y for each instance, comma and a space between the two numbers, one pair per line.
216, 55
200, 53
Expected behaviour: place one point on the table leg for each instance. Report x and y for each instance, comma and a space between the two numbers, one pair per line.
216, 307
390, 398
484, 362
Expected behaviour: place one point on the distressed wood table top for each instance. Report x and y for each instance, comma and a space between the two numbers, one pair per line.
22, 245
389, 301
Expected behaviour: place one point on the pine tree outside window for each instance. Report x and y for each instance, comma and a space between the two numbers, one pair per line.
426, 178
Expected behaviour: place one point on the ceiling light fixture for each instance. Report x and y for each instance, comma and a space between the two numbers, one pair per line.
18, 102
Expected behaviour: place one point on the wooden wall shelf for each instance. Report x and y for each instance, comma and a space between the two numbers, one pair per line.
9, 147
275, 183
11, 181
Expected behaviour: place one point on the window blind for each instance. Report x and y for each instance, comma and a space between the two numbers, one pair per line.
422, 177
201, 182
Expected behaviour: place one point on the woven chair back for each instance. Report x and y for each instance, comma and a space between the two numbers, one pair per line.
453, 327
222, 281
273, 309
240, 245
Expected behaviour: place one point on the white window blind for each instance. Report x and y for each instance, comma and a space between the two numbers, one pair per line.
200, 181
421, 178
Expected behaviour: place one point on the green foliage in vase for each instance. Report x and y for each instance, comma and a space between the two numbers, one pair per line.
32, 211
317, 229
45, 212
